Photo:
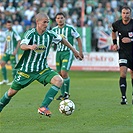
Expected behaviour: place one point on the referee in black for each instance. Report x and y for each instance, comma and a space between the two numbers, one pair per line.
123, 28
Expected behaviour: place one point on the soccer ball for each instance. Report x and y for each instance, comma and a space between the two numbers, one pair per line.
67, 107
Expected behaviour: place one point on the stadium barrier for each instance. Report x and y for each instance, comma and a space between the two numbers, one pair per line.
93, 61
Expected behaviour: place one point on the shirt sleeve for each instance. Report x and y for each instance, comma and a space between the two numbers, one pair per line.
26, 38
114, 29
17, 36
56, 38
74, 33
25, 41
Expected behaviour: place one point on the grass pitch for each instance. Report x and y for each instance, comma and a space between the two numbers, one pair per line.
98, 110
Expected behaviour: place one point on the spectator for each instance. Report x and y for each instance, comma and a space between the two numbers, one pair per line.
26, 3
29, 13
100, 8
17, 27
114, 4
26, 22
2, 9
53, 11
44, 8
65, 8
110, 16
98, 28
89, 8
3, 19
74, 17
10, 8
20, 9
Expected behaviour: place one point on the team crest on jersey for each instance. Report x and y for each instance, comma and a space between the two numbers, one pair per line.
8, 38
130, 34
40, 49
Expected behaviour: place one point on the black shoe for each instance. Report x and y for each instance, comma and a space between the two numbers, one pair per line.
60, 98
123, 100
66, 96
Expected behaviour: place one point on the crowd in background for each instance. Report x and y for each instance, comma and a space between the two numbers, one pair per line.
99, 14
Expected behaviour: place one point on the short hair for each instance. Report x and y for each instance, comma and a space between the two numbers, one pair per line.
60, 13
41, 15
8, 21
126, 7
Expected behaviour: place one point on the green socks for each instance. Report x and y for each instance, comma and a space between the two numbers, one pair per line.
65, 87
67, 84
4, 101
62, 89
4, 73
50, 96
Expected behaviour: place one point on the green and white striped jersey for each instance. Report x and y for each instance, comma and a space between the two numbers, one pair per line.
12, 38
69, 32
36, 60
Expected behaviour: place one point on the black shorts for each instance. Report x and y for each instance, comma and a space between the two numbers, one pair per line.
126, 60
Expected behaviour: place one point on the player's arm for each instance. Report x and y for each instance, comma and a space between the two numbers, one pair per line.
5, 47
76, 53
24, 44
16, 50
28, 47
114, 39
127, 40
18, 39
80, 46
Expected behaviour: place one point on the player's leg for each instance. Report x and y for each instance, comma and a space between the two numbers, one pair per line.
13, 61
5, 59
67, 59
58, 69
21, 80
123, 83
66, 84
6, 98
55, 79
131, 72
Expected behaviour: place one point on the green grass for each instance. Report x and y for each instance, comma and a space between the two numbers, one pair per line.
98, 110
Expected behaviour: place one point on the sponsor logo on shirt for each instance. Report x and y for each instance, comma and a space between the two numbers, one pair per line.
40, 49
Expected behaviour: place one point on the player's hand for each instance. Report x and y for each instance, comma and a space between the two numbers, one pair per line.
115, 47
126, 40
33, 47
77, 55
81, 54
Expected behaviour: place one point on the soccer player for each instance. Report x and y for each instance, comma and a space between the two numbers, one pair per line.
124, 28
32, 66
10, 51
64, 56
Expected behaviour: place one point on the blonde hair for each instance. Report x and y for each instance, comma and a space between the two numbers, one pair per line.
41, 15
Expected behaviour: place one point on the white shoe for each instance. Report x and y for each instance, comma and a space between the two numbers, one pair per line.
9, 83
4, 82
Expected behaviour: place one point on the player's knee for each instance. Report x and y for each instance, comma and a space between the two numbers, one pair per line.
57, 80
2, 64
11, 92
64, 74
131, 72
123, 75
